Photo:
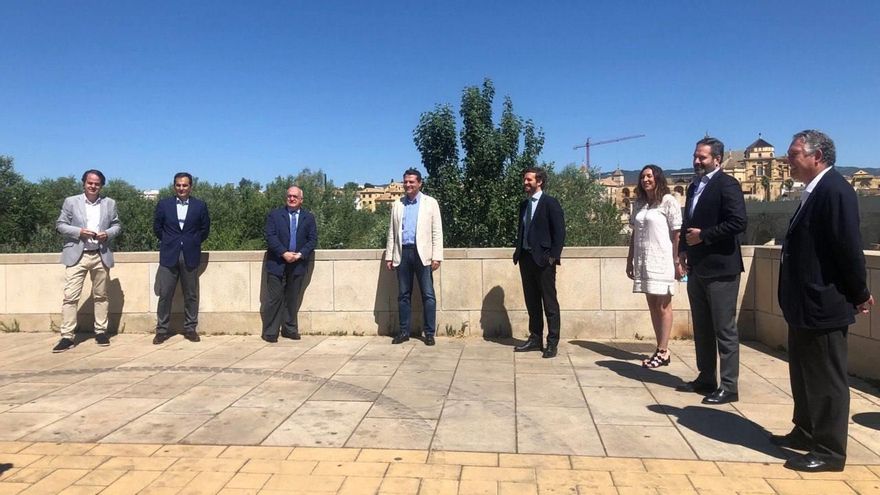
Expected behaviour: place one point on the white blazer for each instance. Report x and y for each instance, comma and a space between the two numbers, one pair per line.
429, 232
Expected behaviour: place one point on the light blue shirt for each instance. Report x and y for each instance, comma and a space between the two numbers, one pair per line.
410, 219
182, 208
700, 187
527, 216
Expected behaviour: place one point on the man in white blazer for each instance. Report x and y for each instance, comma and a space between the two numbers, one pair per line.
415, 250
87, 222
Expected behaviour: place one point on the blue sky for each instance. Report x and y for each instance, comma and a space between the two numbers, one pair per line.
257, 89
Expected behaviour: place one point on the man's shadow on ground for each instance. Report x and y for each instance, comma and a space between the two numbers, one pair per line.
723, 426
719, 425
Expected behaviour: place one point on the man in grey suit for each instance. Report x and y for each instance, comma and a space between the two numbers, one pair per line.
88, 222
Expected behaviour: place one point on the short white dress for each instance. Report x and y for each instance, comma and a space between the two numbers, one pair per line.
653, 269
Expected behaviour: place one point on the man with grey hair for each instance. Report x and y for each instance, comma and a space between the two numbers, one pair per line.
822, 285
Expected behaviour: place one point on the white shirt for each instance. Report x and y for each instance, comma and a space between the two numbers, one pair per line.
808, 190
700, 187
93, 223
182, 208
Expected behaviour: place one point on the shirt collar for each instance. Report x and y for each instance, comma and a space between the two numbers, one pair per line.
413, 201
180, 201
815, 181
535, 197
97, 201
294, 212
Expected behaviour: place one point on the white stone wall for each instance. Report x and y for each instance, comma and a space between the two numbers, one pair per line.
864, 336
350, 291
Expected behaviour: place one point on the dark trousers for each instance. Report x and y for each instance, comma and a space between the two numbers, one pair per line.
713, 307
539, 289
166, 282
819, 386
411, 267
282, 302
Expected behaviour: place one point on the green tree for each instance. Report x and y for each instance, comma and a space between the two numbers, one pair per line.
480, 193
590, 219
765, 183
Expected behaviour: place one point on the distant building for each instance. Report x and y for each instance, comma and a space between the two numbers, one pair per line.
865, 184
151, 194
370, 197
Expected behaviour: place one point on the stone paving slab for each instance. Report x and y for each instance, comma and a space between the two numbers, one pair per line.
580, 421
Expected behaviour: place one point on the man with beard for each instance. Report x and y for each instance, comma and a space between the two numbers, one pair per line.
714, 219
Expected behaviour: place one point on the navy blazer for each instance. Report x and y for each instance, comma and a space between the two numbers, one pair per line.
172, 239
822, 275
278, 240
546, 231
721, 217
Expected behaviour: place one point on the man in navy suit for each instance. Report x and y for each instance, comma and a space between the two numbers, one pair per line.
539, 241
291, 238
181, 223
821, 287
714, 219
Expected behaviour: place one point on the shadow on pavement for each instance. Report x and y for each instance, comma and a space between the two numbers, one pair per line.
868, 420
722, 426
637, 372
624, 351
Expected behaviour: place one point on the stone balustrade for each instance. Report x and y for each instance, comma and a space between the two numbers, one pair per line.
349, 292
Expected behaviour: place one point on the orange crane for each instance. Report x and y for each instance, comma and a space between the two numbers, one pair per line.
589, 144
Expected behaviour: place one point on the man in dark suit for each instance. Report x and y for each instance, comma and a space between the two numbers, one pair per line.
821, 286
714, 218
539, 241
181, 223
291, 238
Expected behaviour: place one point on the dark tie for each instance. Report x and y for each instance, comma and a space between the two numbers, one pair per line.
292, 246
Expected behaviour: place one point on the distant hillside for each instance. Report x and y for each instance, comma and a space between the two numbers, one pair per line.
631, 176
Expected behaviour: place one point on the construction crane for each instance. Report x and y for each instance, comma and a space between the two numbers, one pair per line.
589, 144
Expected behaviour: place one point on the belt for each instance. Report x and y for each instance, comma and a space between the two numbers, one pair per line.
409, 246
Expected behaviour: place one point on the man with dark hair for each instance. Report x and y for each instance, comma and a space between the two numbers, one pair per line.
415, 248
181, 223
291, 238
714, 219
539, 242
87, 222
822, 284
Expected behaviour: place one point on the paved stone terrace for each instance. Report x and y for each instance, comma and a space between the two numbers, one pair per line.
233, 414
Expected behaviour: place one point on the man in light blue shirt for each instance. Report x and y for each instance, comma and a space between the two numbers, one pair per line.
415, 249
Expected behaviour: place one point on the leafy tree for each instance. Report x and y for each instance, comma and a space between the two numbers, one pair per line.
590, 219
480, 193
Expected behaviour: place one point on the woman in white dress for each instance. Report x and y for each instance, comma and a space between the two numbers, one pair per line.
652, 260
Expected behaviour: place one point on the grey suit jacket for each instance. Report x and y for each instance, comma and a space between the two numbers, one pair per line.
73, 218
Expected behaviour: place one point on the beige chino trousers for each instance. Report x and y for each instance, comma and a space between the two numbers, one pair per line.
90, 263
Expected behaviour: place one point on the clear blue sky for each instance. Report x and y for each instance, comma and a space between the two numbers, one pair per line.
257, 89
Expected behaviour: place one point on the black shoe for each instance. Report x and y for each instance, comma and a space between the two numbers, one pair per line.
795, 440
270, 338
549, 352
429, 340
102, 339
192, 336
63, 345
809, 463
720, 396
399, 339
696, 388
161, 337
290, 335
530, 345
